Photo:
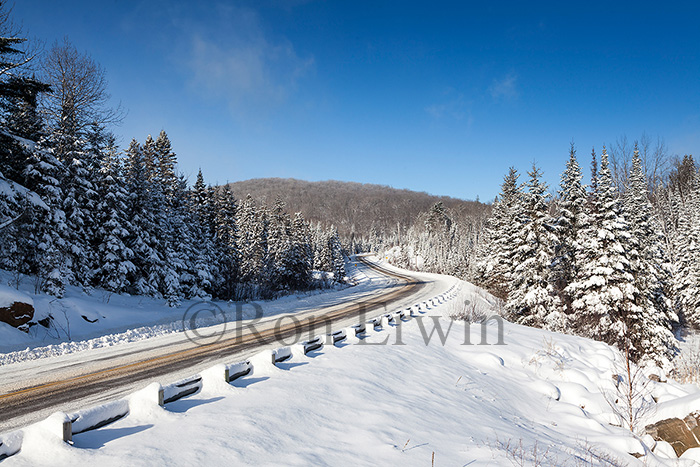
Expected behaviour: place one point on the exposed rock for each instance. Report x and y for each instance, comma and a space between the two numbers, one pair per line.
18, 314
681, 434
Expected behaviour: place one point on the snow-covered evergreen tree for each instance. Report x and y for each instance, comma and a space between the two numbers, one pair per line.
571, 222
143, 239
300, 255
46, 229
227, 240
79, 197
253, 242
605, 296
650, 268
337, 255
496, 247
532, 299
686, 282
113, 264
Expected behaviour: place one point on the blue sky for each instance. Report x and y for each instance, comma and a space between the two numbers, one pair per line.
432, 96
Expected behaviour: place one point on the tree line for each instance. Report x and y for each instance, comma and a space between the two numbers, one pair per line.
616, 261
75, 210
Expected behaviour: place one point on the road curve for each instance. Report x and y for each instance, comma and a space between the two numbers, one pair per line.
28, 404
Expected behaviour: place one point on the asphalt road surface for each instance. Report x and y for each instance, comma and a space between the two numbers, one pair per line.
98, 380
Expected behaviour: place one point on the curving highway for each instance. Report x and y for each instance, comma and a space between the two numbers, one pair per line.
30, 392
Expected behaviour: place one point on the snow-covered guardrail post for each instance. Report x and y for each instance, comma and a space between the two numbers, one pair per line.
67, 431
389, 318
180, 389
99, 416
238, 370
376, 323
313, 344
10, 444
281, 354
337, 336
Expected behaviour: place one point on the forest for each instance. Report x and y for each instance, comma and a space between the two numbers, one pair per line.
76, 210
615, 261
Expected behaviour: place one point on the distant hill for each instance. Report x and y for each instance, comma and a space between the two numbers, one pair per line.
352, 206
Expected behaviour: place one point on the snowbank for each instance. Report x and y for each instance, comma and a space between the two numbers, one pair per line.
8, 296
403, 394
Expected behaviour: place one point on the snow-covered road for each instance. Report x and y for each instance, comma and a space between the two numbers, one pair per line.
32, 389
404, 395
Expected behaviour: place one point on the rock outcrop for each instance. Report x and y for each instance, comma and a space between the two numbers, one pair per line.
17, 314
681, 434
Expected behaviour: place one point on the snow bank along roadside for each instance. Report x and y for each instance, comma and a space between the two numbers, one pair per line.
543, 397
85, 322
61, 426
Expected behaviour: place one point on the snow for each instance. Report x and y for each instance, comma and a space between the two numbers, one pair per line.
85, 419
542, 396
83, 322
8, 296
18, 193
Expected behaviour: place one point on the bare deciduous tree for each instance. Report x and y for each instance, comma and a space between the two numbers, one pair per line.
79, 96
655, 161
16, 54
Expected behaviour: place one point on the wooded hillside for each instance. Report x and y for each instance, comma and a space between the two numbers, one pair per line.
352, 206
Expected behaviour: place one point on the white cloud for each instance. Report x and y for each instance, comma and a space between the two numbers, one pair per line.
505, 88
242, 64
453, 106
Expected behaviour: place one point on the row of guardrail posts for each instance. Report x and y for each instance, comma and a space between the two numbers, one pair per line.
83, 421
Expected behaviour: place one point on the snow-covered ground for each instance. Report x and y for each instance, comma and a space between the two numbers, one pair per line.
83, 322
393, 399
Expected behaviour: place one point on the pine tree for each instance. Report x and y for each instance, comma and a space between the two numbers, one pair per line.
497, 245
649, 266
687, 255
227, 240
253, 242
301, 256
279, 248
166, 163
22, 124
604, 291
113, 258
337, 255
532, 300
46, 229
143, 239
570, 224
323, 257
79, 197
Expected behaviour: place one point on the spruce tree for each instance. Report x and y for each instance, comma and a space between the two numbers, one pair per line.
497, 244
301, 255
227, 241
253, 242
46, 229
113, 265
279, 248
650, 268
687, 254
605, 296
571, 222
143, 239
532, 300
337, 255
